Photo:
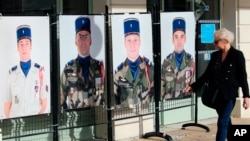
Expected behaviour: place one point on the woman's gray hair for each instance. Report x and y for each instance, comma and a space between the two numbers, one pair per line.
225, 34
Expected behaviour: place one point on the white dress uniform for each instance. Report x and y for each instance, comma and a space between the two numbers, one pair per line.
25, 93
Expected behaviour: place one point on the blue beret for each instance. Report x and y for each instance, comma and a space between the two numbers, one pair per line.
82, 23
179, 24
131, 25
23, 31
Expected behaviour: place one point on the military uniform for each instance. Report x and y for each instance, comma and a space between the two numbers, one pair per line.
174, 80
26, 85
129, 91
25, 92
82, 80
133, 80
177, 69
77, 92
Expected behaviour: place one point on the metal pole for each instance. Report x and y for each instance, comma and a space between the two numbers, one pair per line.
108, 75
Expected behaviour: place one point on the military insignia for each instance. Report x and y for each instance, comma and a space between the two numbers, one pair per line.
47, 88
36, 87
16, 100
188, 73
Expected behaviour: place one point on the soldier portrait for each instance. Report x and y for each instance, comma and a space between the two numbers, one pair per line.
27, 89
82, 78
133, 76
178, 65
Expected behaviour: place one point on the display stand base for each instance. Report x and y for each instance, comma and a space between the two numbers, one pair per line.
195, 124
161, 135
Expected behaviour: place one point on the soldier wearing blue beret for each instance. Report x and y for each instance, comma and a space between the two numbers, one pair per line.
82, 80
178, 66
27, 90
133, 79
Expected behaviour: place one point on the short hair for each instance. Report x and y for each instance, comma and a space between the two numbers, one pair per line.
224, 34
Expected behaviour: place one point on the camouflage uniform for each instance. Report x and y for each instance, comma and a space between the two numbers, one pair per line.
129, 92
173, 81
79, 93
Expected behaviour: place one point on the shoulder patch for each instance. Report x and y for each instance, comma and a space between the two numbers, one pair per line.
37, 65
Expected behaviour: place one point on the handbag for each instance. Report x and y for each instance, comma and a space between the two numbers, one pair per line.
210, 96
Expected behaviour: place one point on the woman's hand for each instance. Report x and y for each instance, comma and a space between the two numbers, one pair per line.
188, 89
245, 103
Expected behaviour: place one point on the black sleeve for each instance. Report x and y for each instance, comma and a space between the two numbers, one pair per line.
206, 75
242, 74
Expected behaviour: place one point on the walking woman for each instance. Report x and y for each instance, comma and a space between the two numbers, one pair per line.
227, 71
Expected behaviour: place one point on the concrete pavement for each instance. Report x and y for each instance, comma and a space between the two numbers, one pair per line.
192, 133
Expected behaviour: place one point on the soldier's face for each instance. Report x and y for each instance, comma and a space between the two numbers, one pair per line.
83, 42
179, 40
24, 48
132, 45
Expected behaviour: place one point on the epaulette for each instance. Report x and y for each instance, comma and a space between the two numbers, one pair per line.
120, 67
37, 65
146, 59
169, 56
14, 68
70, 63
100, 63
189, 56
97, 62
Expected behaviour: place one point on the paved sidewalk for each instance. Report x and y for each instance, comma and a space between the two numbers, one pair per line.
193, 133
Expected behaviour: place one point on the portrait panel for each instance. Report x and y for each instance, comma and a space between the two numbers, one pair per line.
177, 53
82, 60
25, 59
132, 59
